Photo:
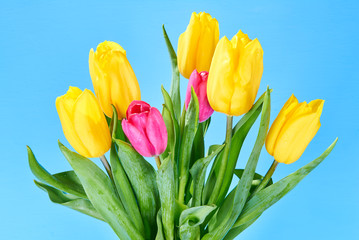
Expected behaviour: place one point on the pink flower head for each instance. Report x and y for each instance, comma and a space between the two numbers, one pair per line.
145, 128
199, 83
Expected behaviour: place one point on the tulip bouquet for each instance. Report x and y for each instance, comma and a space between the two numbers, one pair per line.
179, 199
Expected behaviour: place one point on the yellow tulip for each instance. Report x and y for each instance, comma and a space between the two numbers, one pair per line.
113, 78
293, 129
197, 44
235, 74
83, 122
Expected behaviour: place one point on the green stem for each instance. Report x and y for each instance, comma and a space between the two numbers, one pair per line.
158, 161
266, 178
107, 167
223, 165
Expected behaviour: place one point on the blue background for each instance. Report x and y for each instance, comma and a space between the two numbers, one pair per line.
310, 49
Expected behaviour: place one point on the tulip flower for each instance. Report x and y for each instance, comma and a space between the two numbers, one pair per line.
113, 78
83, 122
145, 128
235, 75
199, 83
197, 44
293, 129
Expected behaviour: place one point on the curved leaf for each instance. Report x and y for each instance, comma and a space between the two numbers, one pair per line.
272, 194
166, 187
228, 213
102, 194
66, 181
142, 177
68, 200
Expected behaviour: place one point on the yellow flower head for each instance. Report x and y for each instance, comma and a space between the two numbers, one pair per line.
235, 74
197, 44
113, 78
83, 122
293, 129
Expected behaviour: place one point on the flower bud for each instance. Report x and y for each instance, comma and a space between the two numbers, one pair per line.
235, 75
293, 129
145, 128
197, 44
83, 122
199, 83
113, 78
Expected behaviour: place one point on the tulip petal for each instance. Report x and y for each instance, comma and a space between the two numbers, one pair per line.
90, 125
124, 84
101, 84
220, 78
277, 125
64, 106
138, 139
250, 70
295, 137
156, 131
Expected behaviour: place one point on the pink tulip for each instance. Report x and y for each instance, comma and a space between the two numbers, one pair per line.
199, 83
145, 128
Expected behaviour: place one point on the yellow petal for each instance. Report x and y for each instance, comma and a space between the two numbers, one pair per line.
295, 137
248, 76
65, 106
278, 123
91, 126
101, 84
197, 44
220, 79
124, 84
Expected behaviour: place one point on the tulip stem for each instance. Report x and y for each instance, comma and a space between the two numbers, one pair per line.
107, 167
266, 178
223, 165
158, 161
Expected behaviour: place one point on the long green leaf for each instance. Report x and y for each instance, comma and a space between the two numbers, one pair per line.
125, 190
189, 132
68, 200
142, 177
102, 194
239, 134
122, 184
175, 83
236, 146
272, 194
166, 188
228, 213
64, 182
198, 172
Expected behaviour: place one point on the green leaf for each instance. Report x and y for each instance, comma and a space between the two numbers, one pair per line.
240, 132
125, 190
228, 213
189, 132
272, 194
142, 177
257, 178
66, 182
122, 184
102, 194
68, 200
236, 146
159, 235
198, 172
198, 144
175, 83
191, 219
166, 188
